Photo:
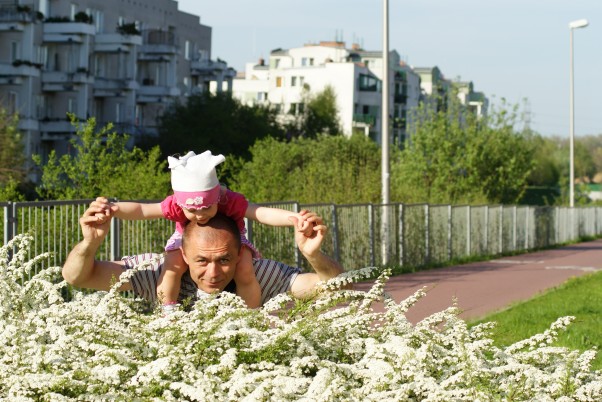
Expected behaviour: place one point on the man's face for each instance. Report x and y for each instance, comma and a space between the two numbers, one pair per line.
211, 259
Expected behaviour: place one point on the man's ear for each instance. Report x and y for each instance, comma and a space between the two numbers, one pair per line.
184, 255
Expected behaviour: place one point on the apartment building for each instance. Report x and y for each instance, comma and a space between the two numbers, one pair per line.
356, 75
120, 61
436, 88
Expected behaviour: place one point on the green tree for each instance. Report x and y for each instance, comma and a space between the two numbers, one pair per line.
218, 122
103, 166
320, 115
457, 157
12, 159
326, 169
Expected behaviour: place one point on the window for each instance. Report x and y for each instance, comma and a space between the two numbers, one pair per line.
118, 112
14, 51
278, 82
40, 106
187, 50
304, 61
368, 83
12, 102
311, 61
293, 81
301, 80
262, 96
138, 117
71, 106
276, 63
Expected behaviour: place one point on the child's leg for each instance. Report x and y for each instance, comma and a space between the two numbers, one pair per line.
168, 287
247, 286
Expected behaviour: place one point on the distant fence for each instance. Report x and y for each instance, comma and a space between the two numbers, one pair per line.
359, 235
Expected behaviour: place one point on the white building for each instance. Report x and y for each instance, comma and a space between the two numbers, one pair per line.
354, 74
120, 61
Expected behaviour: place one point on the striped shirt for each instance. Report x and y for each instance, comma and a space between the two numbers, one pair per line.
273, 277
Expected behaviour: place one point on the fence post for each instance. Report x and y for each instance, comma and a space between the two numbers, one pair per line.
298, 257
371, 228
527, 228
468, 224
401, 233
514, 228
7, 226
14, 221
335, 233
115, 252
427, 251
449, 232
501, 223
487, 252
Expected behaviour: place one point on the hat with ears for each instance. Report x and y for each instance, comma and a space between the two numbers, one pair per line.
194, 180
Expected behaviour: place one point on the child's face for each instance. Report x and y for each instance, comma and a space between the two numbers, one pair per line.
201, 215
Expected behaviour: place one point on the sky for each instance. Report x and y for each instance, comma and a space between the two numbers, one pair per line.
512, 50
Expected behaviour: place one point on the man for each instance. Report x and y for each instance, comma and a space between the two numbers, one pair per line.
211, 252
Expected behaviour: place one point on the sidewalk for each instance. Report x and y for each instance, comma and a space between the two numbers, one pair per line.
484, 287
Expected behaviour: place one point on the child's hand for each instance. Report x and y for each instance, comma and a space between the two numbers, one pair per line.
307, 221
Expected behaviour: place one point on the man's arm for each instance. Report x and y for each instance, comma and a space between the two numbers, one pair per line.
326, 268
80, 268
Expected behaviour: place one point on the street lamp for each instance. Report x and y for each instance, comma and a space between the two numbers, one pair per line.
572, 26
384, 138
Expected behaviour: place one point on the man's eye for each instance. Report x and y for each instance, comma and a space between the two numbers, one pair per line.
225, 260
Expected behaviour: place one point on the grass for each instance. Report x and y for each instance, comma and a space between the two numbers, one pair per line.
579, 297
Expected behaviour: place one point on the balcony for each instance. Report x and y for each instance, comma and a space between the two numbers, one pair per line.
67, 32
156, 94
364, 119
115, 43
15, 17
56, 126
204, 67
157, 42
59, 77
107, 87
20, 68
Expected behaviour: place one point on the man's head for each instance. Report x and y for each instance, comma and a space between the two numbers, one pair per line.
212, 251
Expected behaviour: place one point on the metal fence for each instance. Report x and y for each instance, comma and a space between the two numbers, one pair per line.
415, 235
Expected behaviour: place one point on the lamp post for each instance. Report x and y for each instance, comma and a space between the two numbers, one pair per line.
384, 137
572, 26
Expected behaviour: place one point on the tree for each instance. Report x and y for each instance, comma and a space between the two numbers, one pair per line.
319, 115
12, 160
326, 169
103, 166
457, 157
218, 122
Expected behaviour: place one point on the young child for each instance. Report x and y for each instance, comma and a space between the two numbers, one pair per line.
197, 197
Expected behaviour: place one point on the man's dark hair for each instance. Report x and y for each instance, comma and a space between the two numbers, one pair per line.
219, 222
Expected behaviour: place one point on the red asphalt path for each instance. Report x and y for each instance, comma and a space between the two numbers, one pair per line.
484, 287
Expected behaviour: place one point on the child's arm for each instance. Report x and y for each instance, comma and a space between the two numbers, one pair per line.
280, 217
138, 211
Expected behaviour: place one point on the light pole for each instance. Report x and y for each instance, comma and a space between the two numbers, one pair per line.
572, 26
384, 136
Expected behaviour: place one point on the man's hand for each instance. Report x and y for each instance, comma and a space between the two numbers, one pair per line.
309, 233
95, 222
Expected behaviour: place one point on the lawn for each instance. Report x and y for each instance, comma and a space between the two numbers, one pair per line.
579, 297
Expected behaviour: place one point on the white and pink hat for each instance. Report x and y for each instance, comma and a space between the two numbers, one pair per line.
194, 180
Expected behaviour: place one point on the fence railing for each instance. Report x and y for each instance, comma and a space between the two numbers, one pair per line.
414, 235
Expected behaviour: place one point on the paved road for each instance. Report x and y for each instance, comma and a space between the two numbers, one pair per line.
484, 287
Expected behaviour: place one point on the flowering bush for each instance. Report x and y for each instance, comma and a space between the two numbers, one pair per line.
103, 346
